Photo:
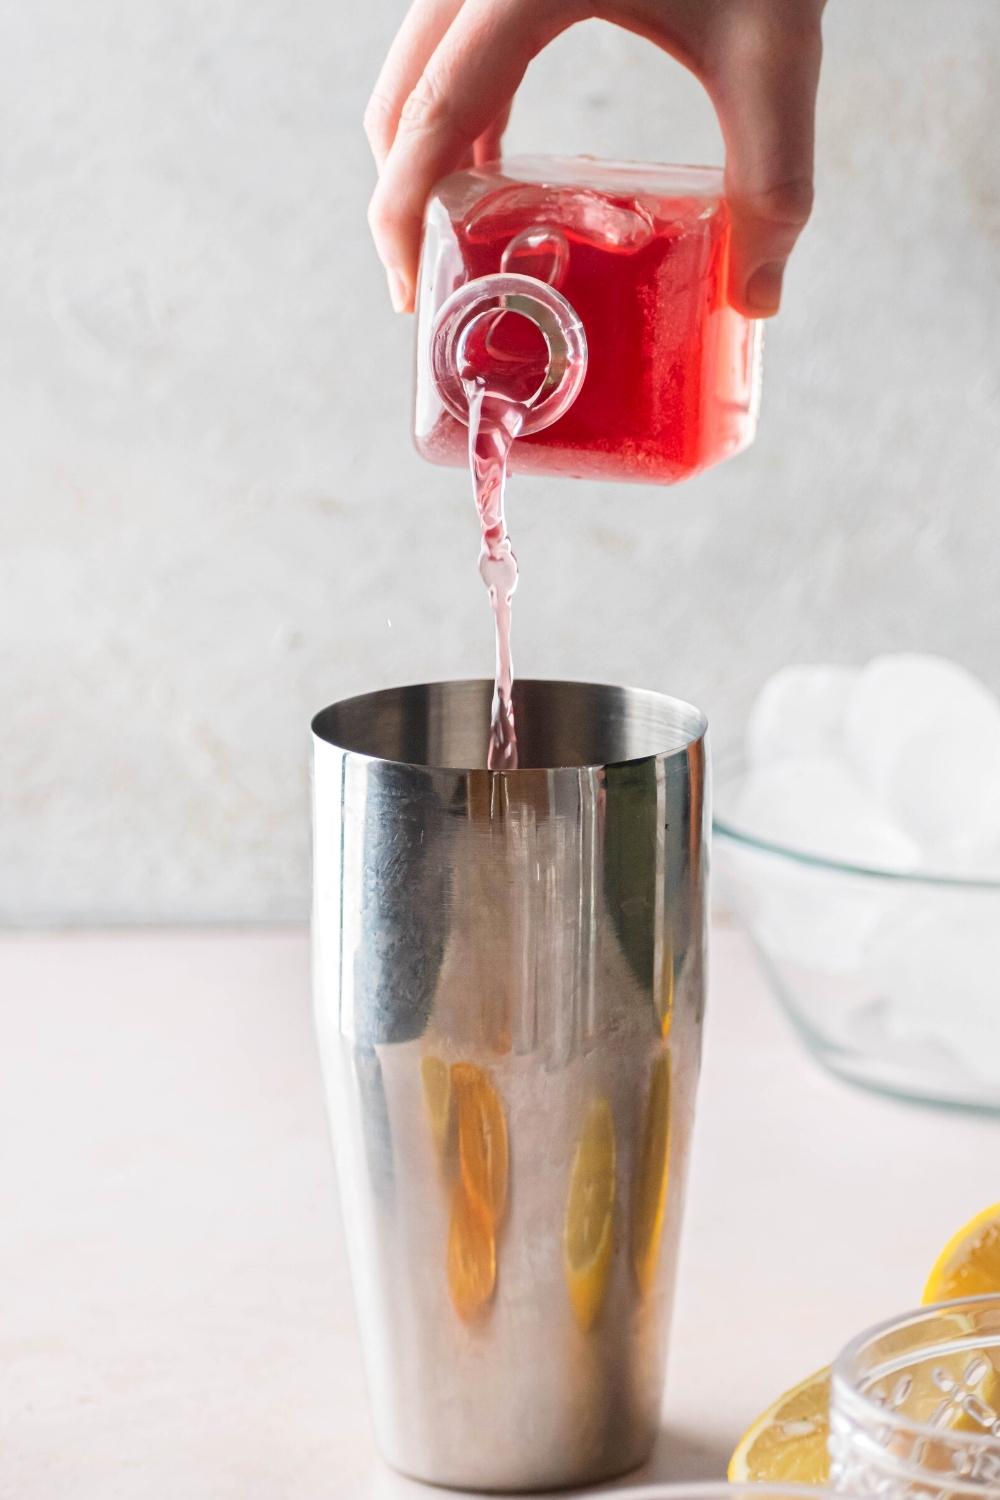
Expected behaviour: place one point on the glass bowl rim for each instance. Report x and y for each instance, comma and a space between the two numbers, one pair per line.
717, 1489
729, 767
841, 1380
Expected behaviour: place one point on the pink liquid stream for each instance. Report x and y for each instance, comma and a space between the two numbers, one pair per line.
494, 422
504, 365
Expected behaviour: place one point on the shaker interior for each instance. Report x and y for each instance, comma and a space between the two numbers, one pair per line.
445, 725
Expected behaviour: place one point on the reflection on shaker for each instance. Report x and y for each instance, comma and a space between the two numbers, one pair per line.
436, 1080
649, 1190
373, 1112
480, 1196
402, 904
482, 1140
588, 1231
632, 859
665, 994
472, 1259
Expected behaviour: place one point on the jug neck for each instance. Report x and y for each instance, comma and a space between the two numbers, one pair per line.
495, 296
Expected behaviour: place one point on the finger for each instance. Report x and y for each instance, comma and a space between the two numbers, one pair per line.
487, 147
424, 24
762, 74
470, 79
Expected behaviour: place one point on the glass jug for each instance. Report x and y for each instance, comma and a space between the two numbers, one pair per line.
646, 373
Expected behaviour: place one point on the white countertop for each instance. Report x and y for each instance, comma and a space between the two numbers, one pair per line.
176, 1318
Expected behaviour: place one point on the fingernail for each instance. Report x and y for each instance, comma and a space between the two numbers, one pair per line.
763, 292
399, 292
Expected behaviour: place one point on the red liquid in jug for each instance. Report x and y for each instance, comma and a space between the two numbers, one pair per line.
670, 382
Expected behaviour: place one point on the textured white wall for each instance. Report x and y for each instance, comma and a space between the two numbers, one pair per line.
212, 521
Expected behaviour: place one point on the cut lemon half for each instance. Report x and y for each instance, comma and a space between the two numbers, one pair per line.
788, 1443
588, 1230
969, 1265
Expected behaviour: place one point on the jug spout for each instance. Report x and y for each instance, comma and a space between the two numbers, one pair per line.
468, 318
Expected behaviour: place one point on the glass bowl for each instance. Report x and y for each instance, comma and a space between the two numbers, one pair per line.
915, 1405
892, 979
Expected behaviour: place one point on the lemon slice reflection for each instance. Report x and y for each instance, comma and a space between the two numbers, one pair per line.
649, 1190
435, 1076
588, 1230
472, 1256
482, 1140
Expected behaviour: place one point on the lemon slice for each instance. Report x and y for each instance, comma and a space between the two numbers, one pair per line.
482, 1139
789, 1441
435, 1076
588, 1230
472, 1256
649, 1190
970, 1262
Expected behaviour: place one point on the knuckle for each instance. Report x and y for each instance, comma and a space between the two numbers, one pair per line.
759, 38
426, 109
798, 27
787, 203
804, 47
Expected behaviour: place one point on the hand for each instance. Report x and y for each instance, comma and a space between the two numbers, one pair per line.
442, 100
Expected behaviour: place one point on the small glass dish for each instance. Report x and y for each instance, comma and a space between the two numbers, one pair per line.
892, 979
915, 1405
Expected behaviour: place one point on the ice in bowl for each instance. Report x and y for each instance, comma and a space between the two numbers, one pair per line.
858, 839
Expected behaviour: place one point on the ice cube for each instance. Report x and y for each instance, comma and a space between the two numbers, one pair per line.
946, 793
815, 805
539, 251
888, 1041
923, 734
579, 212
818, 918
799, 711
936, 968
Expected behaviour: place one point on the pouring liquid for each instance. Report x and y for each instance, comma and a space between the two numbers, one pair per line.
505, 363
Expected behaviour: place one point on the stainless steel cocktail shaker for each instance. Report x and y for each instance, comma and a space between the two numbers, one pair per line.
509, 993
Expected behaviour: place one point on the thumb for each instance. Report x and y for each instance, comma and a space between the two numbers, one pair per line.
763, 78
